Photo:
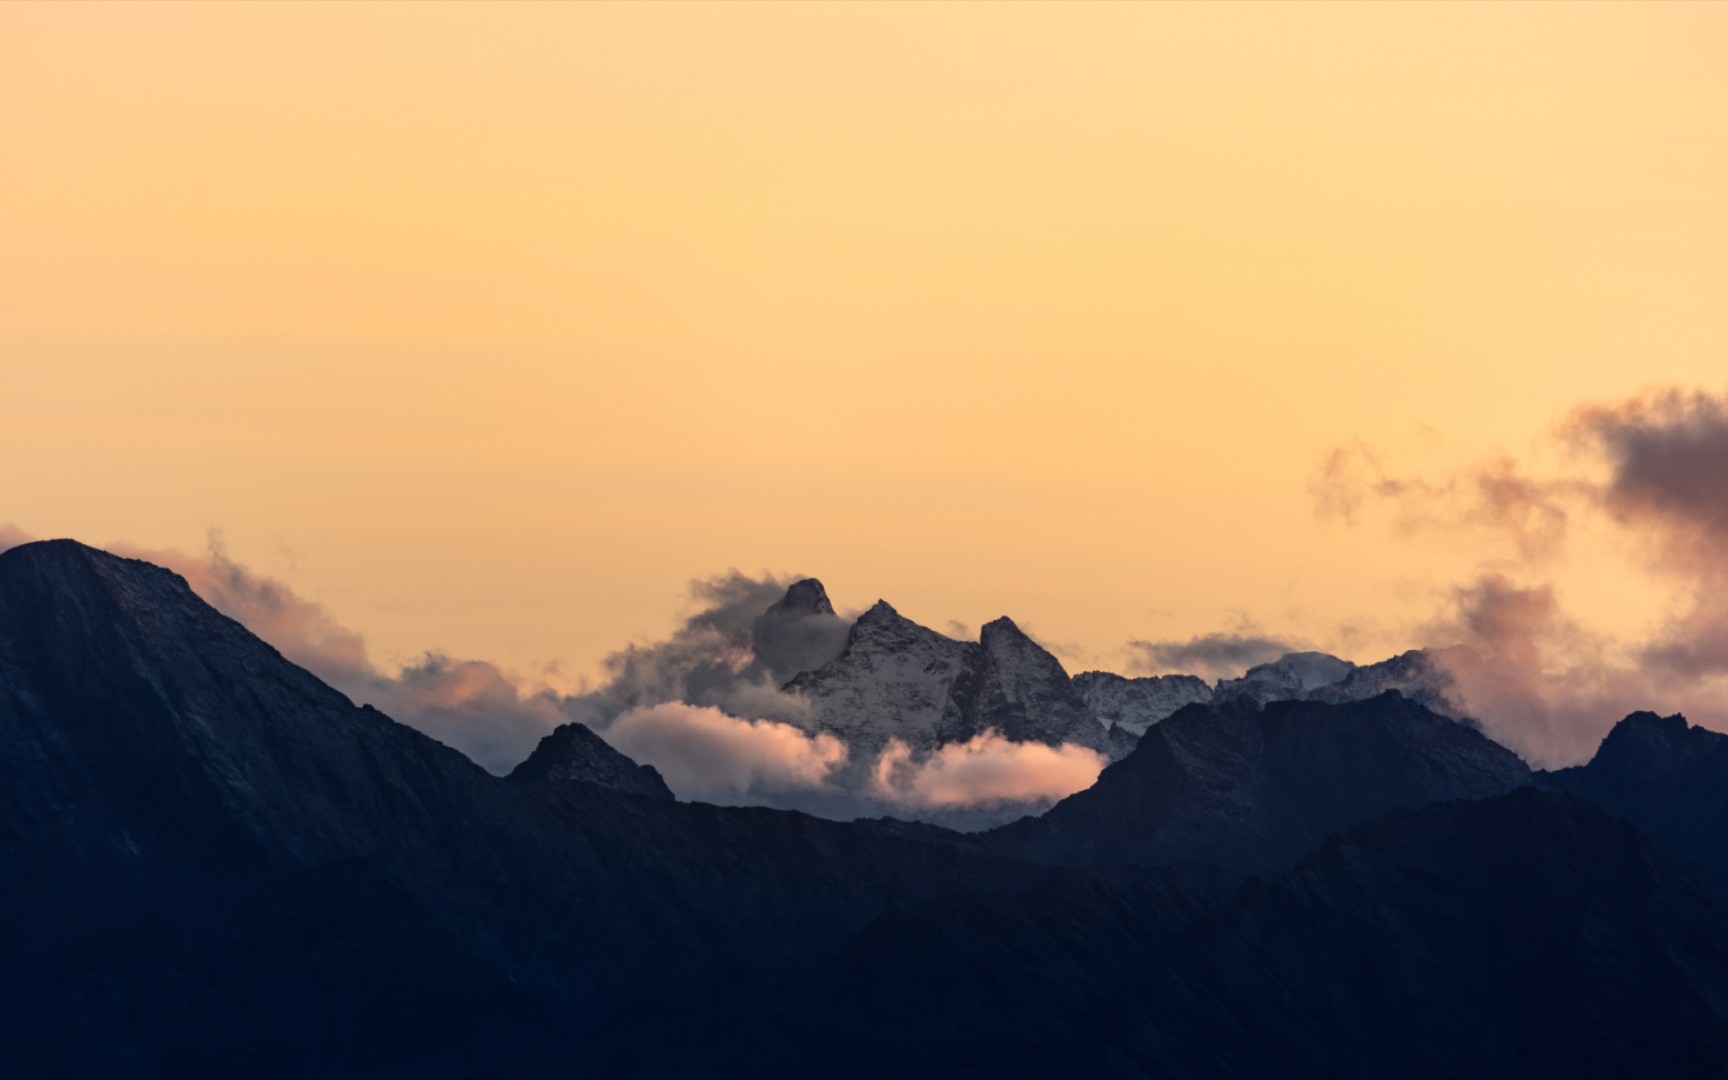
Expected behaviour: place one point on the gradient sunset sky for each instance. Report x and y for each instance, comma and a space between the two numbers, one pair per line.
491, 326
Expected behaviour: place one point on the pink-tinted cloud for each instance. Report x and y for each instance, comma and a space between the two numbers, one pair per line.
1493, 496
709, 756
1536, 681
1655, 466
988, 769
301, 630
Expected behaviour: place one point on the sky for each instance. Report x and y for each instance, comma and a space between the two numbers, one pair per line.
491, 327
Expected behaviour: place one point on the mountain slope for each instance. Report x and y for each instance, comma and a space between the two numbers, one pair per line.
216, 864
1133, 705
1668, 778
573, 753
1526, 935
1255, 789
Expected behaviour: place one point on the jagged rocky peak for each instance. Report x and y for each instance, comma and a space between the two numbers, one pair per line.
1002, 629
1646, 730
883, 627
1024, 693
572, 752
893, 679
1133, 705
805, 596
1005, 643
799, 632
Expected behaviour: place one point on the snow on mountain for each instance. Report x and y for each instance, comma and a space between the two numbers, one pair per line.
1133, 705
1289, 678
1024, 693
898, 680
1422, 675
894, 679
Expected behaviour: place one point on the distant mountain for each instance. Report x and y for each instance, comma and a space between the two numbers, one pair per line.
1667, 777
1256, 788
895, 679
572, 752
1290, 677
1526, 935
1133, 705
1422, 675
898, 680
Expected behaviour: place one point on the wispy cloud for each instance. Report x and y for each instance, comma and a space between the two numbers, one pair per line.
1653, 466
1219, 655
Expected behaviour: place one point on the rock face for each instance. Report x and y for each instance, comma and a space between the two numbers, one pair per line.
572, 752
1023, 692
898, 680
1133, 705
1254, 789
895, 679
1666, 777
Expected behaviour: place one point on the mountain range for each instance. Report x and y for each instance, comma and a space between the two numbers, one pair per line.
893, 679
212, 864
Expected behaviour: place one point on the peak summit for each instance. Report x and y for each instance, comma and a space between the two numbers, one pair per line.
1646, 729
1002, 627
806, 596
574, 752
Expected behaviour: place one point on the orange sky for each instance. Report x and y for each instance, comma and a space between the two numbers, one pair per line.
490, 326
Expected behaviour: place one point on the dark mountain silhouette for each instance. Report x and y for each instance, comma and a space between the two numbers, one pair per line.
213, 865
1257, 788
1524, 935
572, 752
1666, 777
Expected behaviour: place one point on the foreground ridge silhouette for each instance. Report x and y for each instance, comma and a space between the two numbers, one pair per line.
212, 864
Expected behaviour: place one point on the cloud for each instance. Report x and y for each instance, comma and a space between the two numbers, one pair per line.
1668, 453
732, 654
1655, 467
300, 630
986, 770
710, 756
11, 536
1221, 655
1495, 495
